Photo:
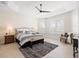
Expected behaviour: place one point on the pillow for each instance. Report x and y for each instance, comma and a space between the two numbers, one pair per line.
19, 31
23, 30
27, 32
35, 33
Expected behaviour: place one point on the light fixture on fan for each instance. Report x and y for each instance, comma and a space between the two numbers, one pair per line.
40, 9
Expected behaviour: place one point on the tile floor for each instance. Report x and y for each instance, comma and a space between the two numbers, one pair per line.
62, 51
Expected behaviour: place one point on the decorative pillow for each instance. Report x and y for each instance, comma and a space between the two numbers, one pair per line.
19, 31
35, 33
27, 32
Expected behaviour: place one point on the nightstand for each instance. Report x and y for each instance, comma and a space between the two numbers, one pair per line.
9, 39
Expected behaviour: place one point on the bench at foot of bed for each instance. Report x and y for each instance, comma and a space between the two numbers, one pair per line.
30, 43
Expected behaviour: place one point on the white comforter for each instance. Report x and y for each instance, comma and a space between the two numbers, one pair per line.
23, 38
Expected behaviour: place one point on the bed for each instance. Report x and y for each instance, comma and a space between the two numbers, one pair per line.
25, 37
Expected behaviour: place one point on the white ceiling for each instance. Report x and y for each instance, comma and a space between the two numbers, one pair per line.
28, 7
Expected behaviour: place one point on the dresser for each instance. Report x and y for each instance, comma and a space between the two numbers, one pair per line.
9, 39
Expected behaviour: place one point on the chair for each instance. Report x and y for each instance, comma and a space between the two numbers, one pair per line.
66, 35
75, 48
71, 37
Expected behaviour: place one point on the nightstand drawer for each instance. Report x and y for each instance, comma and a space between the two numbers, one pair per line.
9, 39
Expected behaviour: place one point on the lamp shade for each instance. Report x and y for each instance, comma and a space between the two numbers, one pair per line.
9, 29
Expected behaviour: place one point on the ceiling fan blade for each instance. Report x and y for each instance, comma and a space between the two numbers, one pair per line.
40, 9
37, 8
45, 11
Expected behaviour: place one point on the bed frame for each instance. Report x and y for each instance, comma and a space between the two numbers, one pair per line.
30, 43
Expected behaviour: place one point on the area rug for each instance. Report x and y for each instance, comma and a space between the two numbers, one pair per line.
38, 50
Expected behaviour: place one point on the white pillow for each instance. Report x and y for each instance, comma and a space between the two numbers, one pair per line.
19, 31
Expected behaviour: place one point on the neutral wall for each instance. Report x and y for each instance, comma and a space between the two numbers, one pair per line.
68, 22
16, 20
67, 19
75, 21
10, 18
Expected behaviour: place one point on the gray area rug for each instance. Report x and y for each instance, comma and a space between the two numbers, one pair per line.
38, 50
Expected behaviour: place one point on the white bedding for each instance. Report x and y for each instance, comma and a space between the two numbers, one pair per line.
23, 37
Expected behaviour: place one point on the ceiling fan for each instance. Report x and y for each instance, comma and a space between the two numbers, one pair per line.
42, 11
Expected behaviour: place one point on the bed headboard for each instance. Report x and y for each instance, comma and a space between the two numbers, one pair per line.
23, 29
